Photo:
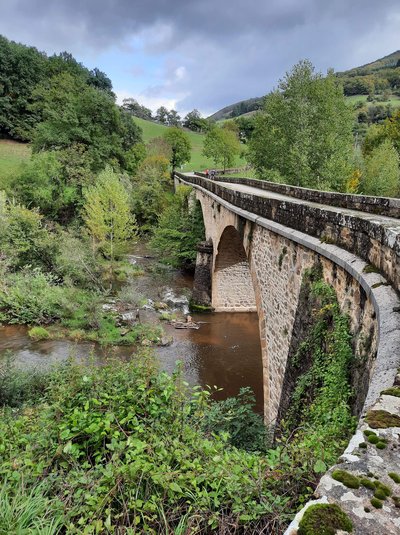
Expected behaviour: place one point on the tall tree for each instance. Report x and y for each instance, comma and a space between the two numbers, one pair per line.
382, 172
174, 119
162, 115
180, 145
222, 146
107, 214
304, 134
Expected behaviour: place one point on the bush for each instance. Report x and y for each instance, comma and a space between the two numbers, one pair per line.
39, 333
236, 417
29, 296
123, 447
18, 386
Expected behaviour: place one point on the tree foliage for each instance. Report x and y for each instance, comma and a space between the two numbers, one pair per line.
107, 214
22, 68
75, 113
304, 134
222, 145
180, 228
180, 145
382, 172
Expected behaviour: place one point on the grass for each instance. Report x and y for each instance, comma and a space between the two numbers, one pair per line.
197, 162
12, 156
393, 100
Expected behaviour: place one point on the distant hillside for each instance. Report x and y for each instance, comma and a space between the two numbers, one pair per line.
239, 108
391, 61
375, 78
380, 77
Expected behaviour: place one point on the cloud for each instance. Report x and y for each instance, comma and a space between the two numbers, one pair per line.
211, 52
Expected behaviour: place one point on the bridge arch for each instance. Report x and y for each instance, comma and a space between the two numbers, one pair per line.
232, 283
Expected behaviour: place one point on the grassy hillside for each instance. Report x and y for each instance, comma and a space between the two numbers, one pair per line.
243, 107
198, 161
389, 61
12, 156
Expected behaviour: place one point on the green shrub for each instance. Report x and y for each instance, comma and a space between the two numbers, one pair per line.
19, 386
39, 333
30, 296
123, 446
236, 417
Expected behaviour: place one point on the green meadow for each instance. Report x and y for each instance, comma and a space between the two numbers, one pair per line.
12, 156
197, 162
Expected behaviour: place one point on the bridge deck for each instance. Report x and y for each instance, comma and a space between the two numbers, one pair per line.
388, 222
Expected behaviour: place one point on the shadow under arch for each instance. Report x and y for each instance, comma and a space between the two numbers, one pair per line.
232, 283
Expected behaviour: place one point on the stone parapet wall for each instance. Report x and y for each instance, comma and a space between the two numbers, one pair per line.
375, 243
386, 206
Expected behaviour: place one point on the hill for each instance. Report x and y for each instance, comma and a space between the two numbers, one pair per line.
198, 161
239, 108
390, 61
379, 78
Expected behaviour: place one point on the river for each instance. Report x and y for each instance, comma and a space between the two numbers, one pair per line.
225, 351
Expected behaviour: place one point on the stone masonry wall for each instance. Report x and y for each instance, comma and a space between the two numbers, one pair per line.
375, 243
278, 256
276, 266
232, 283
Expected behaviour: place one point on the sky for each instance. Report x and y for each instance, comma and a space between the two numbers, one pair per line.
204, 54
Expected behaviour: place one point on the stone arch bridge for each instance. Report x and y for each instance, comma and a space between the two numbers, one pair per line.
262, 237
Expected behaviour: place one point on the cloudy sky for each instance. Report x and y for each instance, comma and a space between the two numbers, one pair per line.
204, 54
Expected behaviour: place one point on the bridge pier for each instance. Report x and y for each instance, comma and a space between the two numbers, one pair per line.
203, 274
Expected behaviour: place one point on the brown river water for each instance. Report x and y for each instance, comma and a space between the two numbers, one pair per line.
225, 351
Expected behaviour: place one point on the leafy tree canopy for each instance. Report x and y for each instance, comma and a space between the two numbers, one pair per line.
180, 145
222, 145
304, 134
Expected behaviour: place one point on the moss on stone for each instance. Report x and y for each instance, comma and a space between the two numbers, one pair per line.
382, 419
394, 476
367, 483
373, 439
380, 494
324, 519
381, 445
367, 509
370, 269
348, 480
394, 391
369, 433
195, 307
376, 503
384, 488
362, 445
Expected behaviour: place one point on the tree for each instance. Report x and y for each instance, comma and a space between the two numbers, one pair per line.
304, 134
75, 113
246, 125
222, 146
133, 107
149, 191
174, 118
195, 122
382, 172
180, 145
162, 115
180, 228
107, 214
